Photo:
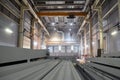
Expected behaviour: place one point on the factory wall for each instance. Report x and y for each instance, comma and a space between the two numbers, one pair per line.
111, 25
8, 28
10, 23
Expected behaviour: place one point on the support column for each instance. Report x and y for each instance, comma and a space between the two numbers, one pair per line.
85, 41
21, 28
100, 20
119, 9
81, 45
41, 39
53, 50
90, 35
39, 32
65, 49
32, 34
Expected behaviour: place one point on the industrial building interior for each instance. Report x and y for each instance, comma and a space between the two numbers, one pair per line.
59, 39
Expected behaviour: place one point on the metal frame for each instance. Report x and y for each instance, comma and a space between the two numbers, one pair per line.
62, 9
43, 13
47, 5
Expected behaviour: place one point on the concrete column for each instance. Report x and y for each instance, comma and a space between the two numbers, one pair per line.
65, 49
81, 44
21, 28
90, 35
53, 50
119, 9
39, 32
42, 39
85, 41
100, 23
32, 34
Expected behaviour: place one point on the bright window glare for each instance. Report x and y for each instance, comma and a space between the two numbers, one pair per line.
8, 30
114, 32
59, 48
72, 47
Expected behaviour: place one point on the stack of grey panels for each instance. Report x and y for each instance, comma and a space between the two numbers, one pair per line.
11, 54
102, 68
64, 71
27, 71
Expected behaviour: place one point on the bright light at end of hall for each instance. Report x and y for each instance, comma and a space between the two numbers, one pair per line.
93, 43
8, 30
55, 39
53, 23
114, 32
59, 48
70, 29
87, 46
54, 29
43, 47
71, 24
35, 43
72, 48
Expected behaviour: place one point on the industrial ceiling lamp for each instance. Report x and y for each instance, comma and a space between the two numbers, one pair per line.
114, 32
7, 30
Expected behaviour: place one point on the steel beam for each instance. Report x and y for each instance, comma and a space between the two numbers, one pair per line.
56, 0
114, 6
47, 5
62, 9
61, 13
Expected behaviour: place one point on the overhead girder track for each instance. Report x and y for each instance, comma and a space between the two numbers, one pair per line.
62, 9
58, 0
45, 13
43, 5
